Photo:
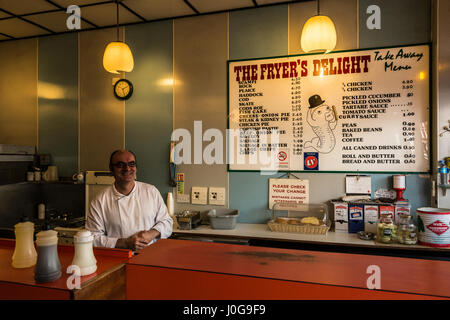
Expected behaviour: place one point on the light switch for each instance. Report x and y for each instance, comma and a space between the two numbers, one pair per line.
217, 196
199, 195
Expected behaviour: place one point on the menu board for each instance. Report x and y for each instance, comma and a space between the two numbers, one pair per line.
349, 111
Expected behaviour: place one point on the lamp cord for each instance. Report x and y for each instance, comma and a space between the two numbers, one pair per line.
318, 7
117, 22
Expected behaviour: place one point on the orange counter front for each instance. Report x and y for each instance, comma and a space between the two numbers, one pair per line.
108, 282
191, 270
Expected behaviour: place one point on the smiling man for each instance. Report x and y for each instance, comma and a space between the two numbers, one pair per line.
129, 214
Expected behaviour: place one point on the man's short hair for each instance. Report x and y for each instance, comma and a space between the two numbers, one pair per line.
119, 151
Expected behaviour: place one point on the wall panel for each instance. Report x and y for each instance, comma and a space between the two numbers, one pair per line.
18, 92
148, 113
58, 101
443, 89
102, 118
200, 55
255, 33
402, 22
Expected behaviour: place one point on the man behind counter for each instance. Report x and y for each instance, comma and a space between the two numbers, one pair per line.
129, 214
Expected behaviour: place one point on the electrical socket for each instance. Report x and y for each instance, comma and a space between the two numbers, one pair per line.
199, 195
217, 196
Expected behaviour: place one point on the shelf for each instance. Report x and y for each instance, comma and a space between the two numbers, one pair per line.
53, 182
262, 232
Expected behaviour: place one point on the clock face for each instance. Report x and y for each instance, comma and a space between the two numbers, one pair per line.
123, 89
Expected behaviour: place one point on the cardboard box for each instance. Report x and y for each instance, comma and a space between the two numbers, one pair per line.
340, 216
371, 217
387, 210
355, 217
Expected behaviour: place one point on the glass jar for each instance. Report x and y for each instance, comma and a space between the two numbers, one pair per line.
407, 231
386, 229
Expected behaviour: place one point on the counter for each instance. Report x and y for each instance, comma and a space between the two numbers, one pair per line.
108, 282
260, 234
183, 269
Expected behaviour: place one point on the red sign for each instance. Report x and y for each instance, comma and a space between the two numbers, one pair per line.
311, 162
282, 155
438, 227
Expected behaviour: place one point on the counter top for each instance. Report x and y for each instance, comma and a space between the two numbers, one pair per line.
16, 280
262, 232
427, 278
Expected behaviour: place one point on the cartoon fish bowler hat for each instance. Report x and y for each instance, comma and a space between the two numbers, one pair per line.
315, 101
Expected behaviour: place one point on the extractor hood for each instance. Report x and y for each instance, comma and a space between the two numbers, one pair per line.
13, 152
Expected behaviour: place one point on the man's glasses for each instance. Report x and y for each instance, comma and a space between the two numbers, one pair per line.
123, 165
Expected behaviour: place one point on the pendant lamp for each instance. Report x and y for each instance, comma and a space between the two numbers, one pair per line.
318, 34
118, 56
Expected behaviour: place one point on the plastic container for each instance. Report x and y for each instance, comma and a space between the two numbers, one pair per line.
48, 267
84, 253
223, 218
41, 211
25, 254
299, 218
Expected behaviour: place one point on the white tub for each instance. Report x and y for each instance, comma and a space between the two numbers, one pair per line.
433, 225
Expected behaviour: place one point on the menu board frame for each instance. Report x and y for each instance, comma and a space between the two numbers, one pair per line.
430, 106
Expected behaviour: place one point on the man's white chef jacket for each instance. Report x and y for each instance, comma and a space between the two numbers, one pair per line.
113, 215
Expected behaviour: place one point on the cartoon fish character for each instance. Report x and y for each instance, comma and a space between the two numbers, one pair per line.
323, 120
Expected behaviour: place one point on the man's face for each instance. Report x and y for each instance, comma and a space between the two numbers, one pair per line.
122, 167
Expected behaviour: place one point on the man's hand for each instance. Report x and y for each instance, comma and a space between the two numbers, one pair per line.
149, 235
134, 242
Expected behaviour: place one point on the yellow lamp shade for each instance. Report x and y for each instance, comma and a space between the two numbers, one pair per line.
118, 57
318, 33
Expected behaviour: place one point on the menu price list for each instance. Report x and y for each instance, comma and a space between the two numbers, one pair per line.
256, 123
377, 105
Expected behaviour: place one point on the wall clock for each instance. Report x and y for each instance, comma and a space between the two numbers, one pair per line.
123, 89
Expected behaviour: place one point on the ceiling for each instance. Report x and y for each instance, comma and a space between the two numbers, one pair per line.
21, 19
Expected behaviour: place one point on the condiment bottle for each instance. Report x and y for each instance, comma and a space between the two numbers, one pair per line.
407, 231
48, 267
170, 209
25, 254
84, 254
386, 229
41, 211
